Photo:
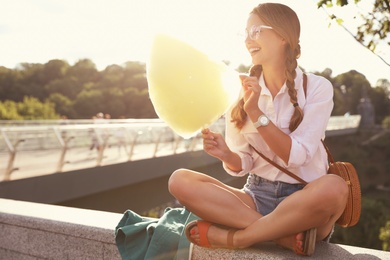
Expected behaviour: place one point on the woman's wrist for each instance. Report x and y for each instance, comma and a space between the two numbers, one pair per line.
254, 115
232, 161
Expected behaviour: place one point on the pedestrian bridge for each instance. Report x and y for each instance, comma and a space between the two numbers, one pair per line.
37, 147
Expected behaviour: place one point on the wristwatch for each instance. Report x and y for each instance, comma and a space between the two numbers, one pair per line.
263, 120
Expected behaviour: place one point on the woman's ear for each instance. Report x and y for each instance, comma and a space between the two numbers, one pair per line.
283, 41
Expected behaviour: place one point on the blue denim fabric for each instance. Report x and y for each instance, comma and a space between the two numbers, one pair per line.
268, 194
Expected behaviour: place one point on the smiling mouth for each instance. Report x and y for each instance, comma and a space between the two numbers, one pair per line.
253, 51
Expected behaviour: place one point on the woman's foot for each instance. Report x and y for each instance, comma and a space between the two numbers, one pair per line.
302, 243
206, 234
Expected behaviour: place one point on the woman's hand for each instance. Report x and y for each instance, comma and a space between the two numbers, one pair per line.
252, 91
214, 144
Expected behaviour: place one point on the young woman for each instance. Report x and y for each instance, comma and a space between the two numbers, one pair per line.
286, 123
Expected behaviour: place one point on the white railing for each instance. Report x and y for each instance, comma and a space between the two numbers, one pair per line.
99, 135
343, 122
38, 135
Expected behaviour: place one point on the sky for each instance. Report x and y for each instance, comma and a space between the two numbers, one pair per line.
116, 31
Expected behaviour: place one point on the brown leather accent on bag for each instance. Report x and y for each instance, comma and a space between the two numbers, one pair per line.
351, 214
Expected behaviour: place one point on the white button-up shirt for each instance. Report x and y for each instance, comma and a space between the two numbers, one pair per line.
308, 158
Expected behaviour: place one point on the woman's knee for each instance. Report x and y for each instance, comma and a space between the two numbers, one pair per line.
177, 181
332, 190
339, 188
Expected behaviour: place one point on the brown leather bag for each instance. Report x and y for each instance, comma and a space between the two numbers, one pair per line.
345, 170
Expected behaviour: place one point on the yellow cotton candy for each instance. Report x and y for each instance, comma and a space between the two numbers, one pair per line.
188, 90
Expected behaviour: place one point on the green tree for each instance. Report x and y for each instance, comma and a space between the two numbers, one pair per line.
9, 84
54, 70
366, 232
69, 87
62, 104
84, 71
353, 85
381, 103
32, 108
386, 122
384, 235
33, 80
339, 99
88, 103
374, 25
385, 84
9, 111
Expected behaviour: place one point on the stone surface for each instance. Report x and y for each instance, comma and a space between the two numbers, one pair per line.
35, 231
31, 231
270, 251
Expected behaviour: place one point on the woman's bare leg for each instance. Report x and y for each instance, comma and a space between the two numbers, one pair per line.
212, 200
318, 205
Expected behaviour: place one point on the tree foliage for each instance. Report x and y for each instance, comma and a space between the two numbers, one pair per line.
81, 91
78, 91
351, 87
374, 27
384, 235
30, 108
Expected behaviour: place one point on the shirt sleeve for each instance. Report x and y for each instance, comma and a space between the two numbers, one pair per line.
317, 110
238, 144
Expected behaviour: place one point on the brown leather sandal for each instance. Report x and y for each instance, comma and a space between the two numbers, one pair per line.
309, 243
203, 228
230, 238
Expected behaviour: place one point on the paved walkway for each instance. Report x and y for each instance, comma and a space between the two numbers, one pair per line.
36, 163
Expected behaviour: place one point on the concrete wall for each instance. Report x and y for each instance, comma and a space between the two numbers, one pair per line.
137, 185
38, 231
31, 231
59, 187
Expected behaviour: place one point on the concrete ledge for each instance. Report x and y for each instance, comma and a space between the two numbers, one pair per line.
270, 251
34, 231
31, 231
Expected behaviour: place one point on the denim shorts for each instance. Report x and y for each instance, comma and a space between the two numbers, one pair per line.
268, 194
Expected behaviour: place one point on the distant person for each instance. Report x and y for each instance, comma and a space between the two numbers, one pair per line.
120, 135
93, 133
275, 116
102, 131
64, 121
94, 140
99, 118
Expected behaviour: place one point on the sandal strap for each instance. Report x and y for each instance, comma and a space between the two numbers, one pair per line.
230, 238
203, 228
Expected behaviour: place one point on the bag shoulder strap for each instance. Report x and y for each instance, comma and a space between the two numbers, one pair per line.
292, 175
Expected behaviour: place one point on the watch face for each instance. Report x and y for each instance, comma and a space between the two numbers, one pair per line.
264, 120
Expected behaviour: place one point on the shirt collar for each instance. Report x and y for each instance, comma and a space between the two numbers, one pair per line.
298, 82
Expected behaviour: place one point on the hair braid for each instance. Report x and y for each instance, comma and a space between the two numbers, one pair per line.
291, 64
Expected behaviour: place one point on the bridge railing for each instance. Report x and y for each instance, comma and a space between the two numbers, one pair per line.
99, 135
343, 122
36, 135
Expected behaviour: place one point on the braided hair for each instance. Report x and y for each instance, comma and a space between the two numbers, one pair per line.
285, 22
